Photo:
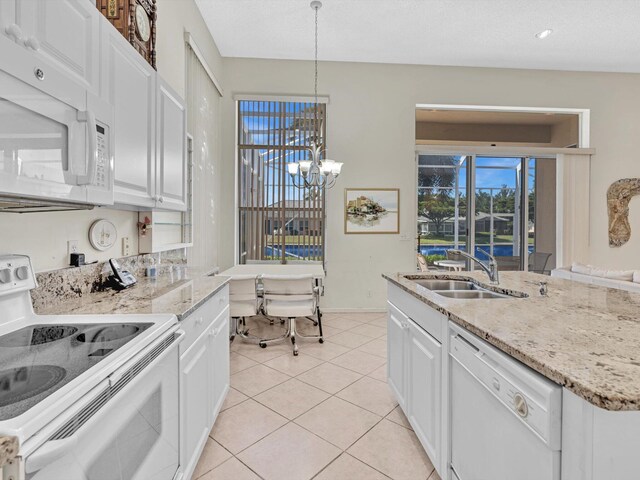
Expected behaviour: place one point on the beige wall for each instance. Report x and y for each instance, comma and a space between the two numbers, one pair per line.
371, 127
44, 236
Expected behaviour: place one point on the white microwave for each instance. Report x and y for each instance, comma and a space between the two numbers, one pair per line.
55, 138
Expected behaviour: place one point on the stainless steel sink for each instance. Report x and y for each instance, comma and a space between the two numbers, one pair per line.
462, 289
471, 294
436, 284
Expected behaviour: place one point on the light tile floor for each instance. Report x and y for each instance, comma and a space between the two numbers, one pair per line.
327, 414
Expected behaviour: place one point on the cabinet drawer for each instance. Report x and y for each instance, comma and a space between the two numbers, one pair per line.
432, 321
203, 317
219, 301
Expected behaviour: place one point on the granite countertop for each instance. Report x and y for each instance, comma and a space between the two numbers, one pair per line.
583, 337
8, 449
180, 292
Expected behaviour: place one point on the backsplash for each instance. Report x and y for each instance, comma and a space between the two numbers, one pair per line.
58, 286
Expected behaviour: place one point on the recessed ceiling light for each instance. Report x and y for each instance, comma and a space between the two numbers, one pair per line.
544, 34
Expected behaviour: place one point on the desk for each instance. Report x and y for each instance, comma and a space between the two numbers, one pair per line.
258, 269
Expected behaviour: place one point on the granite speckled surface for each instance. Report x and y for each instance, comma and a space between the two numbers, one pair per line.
180, 290
8, 449
57, 286
583, 337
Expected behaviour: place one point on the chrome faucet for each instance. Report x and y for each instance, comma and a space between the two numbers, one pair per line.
491, 270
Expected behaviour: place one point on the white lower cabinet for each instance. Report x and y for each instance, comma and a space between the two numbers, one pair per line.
425, 389
415, 377
195, 370
204, 377
397, 325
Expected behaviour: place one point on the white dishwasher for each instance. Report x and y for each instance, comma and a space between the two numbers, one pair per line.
505, 418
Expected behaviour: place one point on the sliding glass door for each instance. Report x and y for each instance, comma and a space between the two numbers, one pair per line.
501, 216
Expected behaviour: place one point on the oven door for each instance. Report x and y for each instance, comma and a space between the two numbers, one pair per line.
51, 145
132, 434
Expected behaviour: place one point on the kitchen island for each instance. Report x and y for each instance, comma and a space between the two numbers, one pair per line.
583, 338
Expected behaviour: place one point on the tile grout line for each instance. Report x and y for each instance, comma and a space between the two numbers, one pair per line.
323, 361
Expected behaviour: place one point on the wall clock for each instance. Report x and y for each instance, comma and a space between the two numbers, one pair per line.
136, 21
102, 235
143, 27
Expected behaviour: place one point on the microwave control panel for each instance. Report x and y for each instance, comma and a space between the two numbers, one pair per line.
102, 162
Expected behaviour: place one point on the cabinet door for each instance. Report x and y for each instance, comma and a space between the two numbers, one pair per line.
131, 90
397, 325
425, 389
171, 134
8, 18
195, 374
66, 32
219, 351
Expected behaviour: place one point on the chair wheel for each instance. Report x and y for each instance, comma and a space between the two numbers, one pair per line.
315, 324
295, 353
262, 345
321, 340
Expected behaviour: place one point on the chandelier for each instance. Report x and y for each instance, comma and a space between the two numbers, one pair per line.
315, 173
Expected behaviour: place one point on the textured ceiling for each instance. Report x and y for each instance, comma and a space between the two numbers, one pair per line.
597, 35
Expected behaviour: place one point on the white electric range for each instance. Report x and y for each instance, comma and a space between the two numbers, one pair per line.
89, 397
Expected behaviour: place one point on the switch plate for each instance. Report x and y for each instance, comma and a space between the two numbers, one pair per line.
126, 247
72, 247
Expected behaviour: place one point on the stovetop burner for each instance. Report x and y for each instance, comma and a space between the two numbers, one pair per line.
36, 335
21, 383
44, 358
108, 333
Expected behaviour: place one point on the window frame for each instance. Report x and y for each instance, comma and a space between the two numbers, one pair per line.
315, 224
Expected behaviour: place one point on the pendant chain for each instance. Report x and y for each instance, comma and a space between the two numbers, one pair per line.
315, 87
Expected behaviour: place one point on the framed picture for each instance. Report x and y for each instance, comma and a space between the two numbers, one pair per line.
371, 210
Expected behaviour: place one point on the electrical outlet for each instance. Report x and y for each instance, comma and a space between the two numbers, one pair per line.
126, 247
72, 246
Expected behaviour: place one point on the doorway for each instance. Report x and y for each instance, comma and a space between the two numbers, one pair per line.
488, 205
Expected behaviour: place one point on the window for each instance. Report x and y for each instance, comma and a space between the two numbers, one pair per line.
278, 222
511, 221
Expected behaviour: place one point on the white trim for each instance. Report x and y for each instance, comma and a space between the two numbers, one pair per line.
189, 40
236, 215
584, 115
539, 152
280, 98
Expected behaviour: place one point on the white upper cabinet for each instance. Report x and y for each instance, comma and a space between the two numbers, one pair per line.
64, 32
130, 86
171, 153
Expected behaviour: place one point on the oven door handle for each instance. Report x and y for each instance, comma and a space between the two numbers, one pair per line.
122, 371
49, 453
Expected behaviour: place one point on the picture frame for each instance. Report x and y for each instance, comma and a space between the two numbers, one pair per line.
371, 211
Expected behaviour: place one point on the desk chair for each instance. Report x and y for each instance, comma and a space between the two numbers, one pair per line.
243, 302
538, 262
291, 297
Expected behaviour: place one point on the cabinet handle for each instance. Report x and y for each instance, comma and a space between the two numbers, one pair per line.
213, 332
199, 321
160, 198
405, 326
33, 43
14, 31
